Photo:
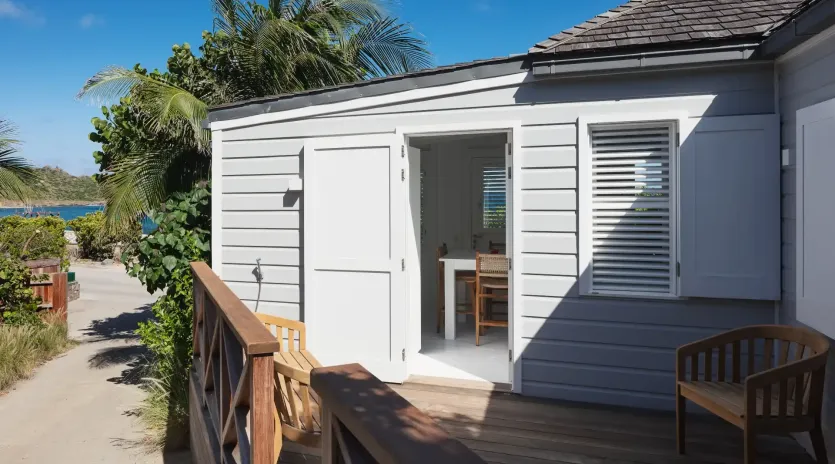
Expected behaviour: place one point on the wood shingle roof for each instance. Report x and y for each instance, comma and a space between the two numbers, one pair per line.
639, 23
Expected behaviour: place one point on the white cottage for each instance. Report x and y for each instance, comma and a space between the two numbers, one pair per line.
630, 166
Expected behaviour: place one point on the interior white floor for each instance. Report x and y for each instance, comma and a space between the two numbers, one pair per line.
461, 358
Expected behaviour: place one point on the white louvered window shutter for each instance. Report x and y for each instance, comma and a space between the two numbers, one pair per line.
633, 242
494, 197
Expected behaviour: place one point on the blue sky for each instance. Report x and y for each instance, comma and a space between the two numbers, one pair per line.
49, 48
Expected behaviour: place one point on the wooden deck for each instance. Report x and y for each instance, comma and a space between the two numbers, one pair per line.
509, 429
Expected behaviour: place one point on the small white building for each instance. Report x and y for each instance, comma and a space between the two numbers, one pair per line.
646, 195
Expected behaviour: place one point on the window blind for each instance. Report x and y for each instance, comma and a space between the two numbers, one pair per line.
633, 239
494, 197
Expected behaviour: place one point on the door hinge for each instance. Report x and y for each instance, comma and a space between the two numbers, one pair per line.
509, 264
678, 139
403, 354
403, 175
402, 151
403, 264
678, 269
508, 172
510, 355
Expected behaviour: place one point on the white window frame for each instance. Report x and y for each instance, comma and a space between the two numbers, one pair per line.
584, 193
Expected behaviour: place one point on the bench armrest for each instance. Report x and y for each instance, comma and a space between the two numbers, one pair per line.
787, 371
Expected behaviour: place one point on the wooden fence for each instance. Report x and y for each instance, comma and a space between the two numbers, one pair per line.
232, 409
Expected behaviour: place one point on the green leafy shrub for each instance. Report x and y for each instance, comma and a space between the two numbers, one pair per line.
34, 238
95, 241
162, 262
18, 304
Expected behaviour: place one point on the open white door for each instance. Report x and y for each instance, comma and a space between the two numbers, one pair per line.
354, 247
414, 236
815, 264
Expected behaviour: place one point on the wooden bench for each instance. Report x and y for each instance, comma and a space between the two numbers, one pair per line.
297, 412
763, 379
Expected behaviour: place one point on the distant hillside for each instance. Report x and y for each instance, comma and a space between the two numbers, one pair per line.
59, 187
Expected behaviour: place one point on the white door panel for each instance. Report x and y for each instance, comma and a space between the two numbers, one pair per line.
354, 223
815, 220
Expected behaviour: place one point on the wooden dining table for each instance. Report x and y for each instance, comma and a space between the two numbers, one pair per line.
455, 260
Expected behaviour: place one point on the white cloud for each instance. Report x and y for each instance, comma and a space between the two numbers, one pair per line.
89, 20
16, 11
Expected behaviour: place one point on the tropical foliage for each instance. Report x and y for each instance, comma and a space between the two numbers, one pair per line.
153, 141
18, 304
97, 242
15, 172
34, 238
162, 263
26, 346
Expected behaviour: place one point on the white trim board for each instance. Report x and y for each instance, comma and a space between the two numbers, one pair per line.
217, 202
360, 103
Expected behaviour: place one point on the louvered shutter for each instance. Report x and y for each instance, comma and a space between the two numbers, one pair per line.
632, 209
494, 197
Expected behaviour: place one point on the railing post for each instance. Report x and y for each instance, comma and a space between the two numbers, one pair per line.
328, 443
262, 422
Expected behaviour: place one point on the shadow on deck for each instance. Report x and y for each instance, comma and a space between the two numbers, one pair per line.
509, 429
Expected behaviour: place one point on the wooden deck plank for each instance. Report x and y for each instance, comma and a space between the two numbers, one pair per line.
504, 428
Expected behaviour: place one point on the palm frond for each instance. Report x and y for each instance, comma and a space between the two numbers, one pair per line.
161, 101
17, 176
386, 47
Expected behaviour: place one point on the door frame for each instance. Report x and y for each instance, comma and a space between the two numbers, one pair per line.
513, 129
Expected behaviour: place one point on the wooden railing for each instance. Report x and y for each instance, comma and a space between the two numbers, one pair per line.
231, 385
365, 421
53, 294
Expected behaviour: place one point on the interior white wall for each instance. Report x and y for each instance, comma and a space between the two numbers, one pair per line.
449, 203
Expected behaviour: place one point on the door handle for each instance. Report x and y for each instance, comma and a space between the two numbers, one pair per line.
475, 240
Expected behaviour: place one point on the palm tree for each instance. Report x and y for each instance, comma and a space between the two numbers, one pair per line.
259, 50
15, 172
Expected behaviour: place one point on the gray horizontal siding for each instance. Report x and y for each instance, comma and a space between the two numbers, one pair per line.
596, 350
805, 79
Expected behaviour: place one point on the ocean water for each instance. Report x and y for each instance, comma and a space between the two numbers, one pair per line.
71, 212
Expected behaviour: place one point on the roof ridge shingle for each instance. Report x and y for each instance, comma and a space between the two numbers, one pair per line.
599, 20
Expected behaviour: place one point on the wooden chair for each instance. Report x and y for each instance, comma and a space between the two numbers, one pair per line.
490, 275
773, 383
297, 412
467, 277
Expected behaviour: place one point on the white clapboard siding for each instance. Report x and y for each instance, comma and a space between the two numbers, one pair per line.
262, 165
272, 274
549, 242
269, 292
558, 286
260, 238
260, 148
549, 157
563, 265
260, 202
632, 205
261, 219
549, 136
546, 221
248, 255
565, 200
257, 184
538, 179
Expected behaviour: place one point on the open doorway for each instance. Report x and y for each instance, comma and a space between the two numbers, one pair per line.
459, 191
